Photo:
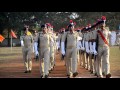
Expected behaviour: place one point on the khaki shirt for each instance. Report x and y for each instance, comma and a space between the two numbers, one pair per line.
71, 39
44, 40
35, 37
27, 40
80, 34
53, 37
83, 36
94, 34
90, 35
106, 34
59, 37
86, 37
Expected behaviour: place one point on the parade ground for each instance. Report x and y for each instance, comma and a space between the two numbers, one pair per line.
12, 66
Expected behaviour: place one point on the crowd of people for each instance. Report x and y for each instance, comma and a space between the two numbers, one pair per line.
88, 46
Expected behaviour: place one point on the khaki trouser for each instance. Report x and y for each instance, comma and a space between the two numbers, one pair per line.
103, 52
78, 56
87, 60
44, 60
52, 57
27, 58
95, 64
103, 66
71, 60
83, 59
90, 62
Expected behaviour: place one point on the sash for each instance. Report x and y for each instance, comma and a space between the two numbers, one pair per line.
102, 36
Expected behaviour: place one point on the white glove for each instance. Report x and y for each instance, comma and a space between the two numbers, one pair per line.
87, 47
63, 48
94, 48
58, 44
82, 48
52, 40
78, 45
83, 43
88, 51
22, 44
79, 38
91, 47
95, 53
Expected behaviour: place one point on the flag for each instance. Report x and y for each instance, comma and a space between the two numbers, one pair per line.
13, 34
1, 38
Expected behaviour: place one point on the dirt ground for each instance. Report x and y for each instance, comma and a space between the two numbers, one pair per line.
14, 68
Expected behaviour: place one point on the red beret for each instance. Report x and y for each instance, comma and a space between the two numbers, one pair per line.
48, 24
71, 21
103, 17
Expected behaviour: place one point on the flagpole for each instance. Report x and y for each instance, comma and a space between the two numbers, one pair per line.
11, 43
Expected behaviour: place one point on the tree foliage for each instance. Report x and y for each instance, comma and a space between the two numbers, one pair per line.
16, 20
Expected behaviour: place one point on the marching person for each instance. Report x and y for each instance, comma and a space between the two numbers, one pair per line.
91, 56
94, 45
35, 44
44, 40
26, 42
52, 48
87, 47
103, 51
83, 59
71, 50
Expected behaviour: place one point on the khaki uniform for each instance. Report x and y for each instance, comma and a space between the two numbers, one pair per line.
103, 52
79, 51
44, 52
62, 35
83, 58
87, 49
27, 50
94, 34
71, 52
91, 51
52, 51
94, 37
35, 45
59, 39
118, 40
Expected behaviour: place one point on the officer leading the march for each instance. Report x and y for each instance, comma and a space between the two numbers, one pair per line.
71, 50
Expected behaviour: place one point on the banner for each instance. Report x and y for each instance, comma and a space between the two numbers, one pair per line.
1, 38
13, 34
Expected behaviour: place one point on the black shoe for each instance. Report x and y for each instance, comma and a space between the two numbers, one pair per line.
62, 58
91, 72
95, 74
37, 58
26, 72
41, 76
29, 71
46, 76
75, 74
103, 74
68, 76
49, 71
108, 75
